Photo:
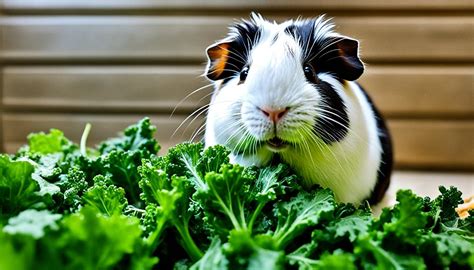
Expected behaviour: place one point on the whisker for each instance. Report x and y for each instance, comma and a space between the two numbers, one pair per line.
233, 134
204, 97
189, 116
229, 127
314, 140
239, 59
205, 110
224, 69
330, 151
234, 125
242, 141
188, 95
240, 56
198, 131
325, 46
327, 119
321, 109
237, 68
306, 145
335, 57
327, 52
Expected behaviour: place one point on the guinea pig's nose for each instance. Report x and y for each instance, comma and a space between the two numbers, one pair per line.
274, 114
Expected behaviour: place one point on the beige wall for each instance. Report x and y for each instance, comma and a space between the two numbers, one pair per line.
64, 63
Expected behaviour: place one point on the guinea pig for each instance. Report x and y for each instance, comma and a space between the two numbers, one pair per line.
288, 92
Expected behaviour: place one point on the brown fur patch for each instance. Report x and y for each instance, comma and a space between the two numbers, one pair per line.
218, 55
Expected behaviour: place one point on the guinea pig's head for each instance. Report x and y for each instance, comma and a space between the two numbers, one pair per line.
276, 84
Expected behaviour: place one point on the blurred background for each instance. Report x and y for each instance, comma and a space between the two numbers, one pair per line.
64, 63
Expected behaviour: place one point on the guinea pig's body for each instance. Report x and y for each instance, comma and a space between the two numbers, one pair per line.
287, 90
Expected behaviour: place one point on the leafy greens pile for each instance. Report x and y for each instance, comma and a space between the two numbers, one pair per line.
120, 206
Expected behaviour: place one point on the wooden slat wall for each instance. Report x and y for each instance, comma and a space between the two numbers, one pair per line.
21, 124
157, 5
183, 38
67, 62
425, 91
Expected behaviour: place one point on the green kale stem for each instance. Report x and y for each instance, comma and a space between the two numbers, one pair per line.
181, 226
228, 211
281, 233
84, 137
154, 239
188, 243
197, 180
379, 252
242, 213
255, 215
308, 262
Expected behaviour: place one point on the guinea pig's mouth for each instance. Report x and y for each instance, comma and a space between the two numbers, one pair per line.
276, 144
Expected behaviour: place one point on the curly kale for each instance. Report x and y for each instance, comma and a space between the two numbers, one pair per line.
105, 197
120, 206
73, 185
138, 137
19, 190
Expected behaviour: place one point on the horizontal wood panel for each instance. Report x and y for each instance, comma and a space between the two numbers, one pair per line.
412, 91
240, 4
155, 88
18, 126
426, 144
433, 144
398, 91
177, 38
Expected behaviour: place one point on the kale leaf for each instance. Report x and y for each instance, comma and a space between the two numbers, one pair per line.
121, 206
18, 189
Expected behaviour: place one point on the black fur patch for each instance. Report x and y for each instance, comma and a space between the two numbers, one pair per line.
335, 55
304, 33
386, 164
247, 35
226, 80
331, 126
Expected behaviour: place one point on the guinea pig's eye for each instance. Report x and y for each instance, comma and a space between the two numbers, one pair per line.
243, 74
310, 74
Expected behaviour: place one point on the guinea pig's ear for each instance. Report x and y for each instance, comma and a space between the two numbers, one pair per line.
217, 57
346, 63
227, 57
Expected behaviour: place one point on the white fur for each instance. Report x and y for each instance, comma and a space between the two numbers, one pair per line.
276, 80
